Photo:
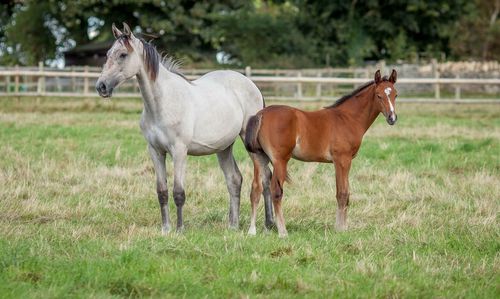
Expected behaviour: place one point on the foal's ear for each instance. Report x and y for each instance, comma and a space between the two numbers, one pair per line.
116, 32
126, 30
378, 77
393, 77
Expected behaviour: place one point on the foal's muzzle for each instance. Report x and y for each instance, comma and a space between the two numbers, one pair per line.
392, 118
104, 90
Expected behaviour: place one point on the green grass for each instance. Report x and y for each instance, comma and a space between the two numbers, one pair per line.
79, 215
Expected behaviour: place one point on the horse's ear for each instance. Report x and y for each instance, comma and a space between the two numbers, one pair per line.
378, 77
116, 32
126, 29
393, 77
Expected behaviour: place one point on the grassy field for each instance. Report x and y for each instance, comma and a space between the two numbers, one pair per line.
79, 215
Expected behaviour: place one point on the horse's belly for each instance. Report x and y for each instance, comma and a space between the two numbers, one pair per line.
205, 143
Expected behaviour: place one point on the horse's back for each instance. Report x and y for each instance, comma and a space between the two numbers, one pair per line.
237, 87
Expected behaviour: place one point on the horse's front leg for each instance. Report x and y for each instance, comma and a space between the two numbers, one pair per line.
179, 155
158, 158
342, 167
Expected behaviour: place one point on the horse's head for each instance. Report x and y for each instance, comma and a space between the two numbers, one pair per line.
122, 61
385, 96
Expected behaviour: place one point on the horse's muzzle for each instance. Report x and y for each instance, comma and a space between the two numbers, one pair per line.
103, 89
392, 118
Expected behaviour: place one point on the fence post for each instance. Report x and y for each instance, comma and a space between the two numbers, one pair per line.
86, 80
41, 81
318, 87
16, 80
7, 84
299, 86
73, 80
382, 67
437, 92
457, 89
248, 71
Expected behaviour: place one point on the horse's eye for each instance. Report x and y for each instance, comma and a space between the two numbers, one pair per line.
123, 55
379, 96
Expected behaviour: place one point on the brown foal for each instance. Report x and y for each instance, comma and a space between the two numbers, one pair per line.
333, 134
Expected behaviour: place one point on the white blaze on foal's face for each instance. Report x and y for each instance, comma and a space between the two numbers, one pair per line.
388, 91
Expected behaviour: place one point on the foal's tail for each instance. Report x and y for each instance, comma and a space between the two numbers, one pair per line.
252, 134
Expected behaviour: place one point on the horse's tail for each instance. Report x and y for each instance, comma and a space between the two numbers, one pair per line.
252, 134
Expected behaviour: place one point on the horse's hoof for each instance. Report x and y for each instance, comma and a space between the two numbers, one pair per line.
180, 230
270, 225
165, 231
252, 231
233, 226
283, 235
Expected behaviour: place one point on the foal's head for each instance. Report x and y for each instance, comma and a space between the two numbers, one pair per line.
385, 96
123, 61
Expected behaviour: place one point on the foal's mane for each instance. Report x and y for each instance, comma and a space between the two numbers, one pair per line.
153, 59
354, 92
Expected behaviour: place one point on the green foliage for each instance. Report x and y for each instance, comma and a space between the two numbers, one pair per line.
294, 33
264, 37
29, 37
477, 35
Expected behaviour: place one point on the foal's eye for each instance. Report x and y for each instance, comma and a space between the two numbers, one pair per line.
379, 96
123, 55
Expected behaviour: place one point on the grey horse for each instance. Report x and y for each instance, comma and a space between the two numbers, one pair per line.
182, 117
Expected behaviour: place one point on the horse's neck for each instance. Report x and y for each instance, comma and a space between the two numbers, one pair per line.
160, 93
361, 110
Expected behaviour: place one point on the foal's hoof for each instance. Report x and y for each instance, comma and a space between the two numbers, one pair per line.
341, 227
180, 230
252, 231
283, 235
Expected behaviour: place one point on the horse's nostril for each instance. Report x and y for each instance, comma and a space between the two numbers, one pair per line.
101, 87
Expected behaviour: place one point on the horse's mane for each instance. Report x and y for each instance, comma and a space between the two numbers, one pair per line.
153, 59
354, 92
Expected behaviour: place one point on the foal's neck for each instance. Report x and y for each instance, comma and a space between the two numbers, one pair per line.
360, 110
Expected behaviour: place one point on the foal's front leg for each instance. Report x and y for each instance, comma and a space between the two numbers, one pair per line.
342, 167
179, 155
158, 158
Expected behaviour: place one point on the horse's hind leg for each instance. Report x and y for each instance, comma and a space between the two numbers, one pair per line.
277, 181
233, 182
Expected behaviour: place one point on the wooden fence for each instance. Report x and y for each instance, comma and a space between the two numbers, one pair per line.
309, 84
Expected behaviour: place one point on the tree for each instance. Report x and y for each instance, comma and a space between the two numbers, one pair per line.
477, 34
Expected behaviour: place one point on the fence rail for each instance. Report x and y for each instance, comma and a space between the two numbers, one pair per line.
63, 83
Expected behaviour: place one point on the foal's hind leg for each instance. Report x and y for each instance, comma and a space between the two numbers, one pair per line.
233, 182
261, 178
268, 206
277, 181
